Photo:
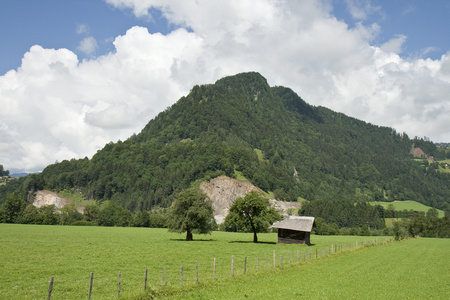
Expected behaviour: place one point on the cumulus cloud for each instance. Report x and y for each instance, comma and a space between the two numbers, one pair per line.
88, 45
395, 44
56, 107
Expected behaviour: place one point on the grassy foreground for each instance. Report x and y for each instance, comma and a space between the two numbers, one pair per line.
413, 269
31, 254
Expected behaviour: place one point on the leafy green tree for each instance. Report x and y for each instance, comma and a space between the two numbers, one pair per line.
251, 213
3, 172
91, 212
106, 216
191, 211
47, 215
29, 215
158, 220
123, 217
12, 208
142, 219
432, 213
69, 214
114, 215
399, 230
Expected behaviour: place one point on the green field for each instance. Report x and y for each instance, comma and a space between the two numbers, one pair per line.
408, 205
31, 254
413, 269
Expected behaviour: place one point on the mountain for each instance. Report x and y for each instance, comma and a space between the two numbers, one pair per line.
243, 128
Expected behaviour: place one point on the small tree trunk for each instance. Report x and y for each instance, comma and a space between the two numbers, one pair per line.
189, 235
255, 237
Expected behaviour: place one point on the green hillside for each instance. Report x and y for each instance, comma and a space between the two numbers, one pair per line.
408, 205
269, 135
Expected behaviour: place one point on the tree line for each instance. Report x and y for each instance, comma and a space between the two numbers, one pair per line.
15, 210
191, 212
422, 224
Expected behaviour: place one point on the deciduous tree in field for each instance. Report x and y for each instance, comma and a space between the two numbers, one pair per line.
191, 211
12, 208
251, 213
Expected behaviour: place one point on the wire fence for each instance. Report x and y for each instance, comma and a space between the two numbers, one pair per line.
238, 266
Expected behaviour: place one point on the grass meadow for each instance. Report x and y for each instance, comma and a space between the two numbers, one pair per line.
408, 205
412, 269
31, 254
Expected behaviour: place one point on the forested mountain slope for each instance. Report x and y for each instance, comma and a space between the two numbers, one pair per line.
241, 125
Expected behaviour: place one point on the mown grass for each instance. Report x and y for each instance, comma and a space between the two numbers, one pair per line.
31, 254
408, 205
412, 269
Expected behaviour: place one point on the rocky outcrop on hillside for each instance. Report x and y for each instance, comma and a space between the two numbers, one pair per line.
223, 190
44, 197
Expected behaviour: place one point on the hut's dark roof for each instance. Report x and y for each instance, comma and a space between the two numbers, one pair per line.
296, 223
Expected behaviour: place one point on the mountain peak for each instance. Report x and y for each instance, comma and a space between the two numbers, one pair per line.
243, 128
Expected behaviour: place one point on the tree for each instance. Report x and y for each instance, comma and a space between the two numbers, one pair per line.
142, 219
251, 213
69, 214
191, 211
29, 215
13, 208
91, 212
432, 213
47, 215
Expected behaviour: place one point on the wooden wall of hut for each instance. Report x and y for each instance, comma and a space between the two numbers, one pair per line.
287, 236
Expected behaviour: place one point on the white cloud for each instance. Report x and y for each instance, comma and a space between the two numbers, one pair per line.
88, 45
395, 44
82, 29
56, 107
361, 9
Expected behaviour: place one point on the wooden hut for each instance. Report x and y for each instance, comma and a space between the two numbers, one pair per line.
294, 230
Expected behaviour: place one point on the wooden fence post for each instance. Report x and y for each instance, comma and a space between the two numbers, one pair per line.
145, 279
297, 255
304, 255
214, 269
181, 276
245, 264
257, 264
274, 258
90, 285
50, 288
232, 266
196, 272
118, 286
281, 261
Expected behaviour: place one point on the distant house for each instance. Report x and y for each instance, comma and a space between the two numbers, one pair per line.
294, 230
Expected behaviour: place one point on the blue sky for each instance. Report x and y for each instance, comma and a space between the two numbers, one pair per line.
59, 24
76, 74
425, 24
